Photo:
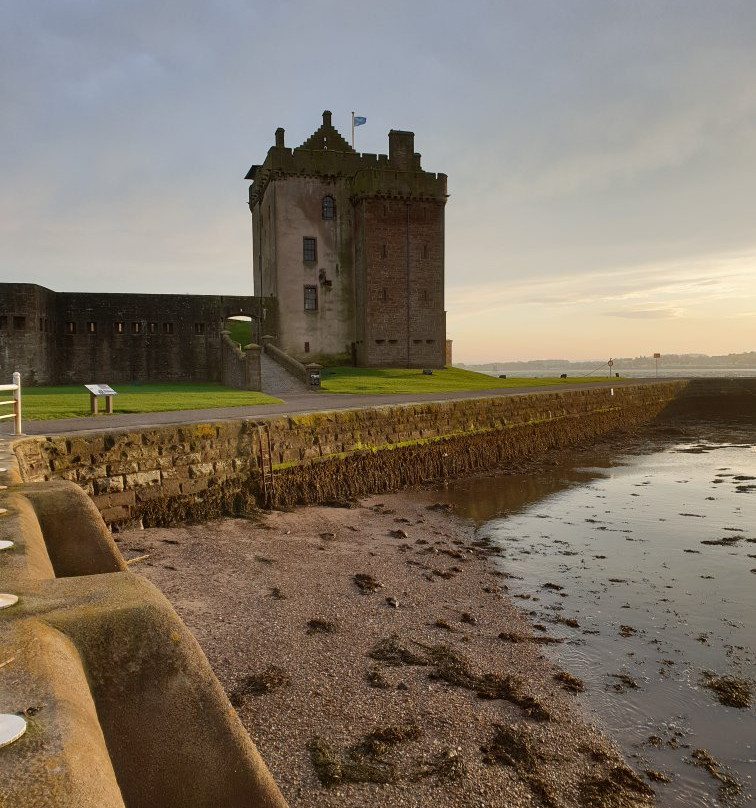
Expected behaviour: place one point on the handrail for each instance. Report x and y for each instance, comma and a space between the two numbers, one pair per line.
15, 401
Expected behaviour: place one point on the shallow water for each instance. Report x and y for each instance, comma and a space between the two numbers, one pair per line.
623, 536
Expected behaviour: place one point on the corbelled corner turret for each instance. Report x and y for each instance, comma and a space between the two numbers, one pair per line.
352, 247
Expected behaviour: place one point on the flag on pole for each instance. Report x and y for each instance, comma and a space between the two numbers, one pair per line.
357, 120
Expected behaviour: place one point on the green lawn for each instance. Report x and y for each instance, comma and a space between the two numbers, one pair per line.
241, 331
42, 403
404, 380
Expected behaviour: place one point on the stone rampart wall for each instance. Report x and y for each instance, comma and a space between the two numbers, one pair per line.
168, 474
240, 367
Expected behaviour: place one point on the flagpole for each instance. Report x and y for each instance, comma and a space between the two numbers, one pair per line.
352, 129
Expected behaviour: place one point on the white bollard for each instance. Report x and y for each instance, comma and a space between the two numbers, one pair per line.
17, 399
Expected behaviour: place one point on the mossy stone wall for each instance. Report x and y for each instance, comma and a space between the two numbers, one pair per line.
169, 474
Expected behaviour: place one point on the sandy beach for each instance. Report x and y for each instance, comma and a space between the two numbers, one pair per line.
375, 659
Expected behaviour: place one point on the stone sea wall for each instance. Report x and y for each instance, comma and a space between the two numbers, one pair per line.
168, 474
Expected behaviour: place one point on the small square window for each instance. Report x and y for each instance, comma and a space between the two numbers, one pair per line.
19, 323
309, 249
311, 298
118, 327
167, 328
136, 328
152, 328
199, 328
70, 328
91, 328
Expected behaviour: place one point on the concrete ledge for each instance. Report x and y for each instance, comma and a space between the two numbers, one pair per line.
122, 708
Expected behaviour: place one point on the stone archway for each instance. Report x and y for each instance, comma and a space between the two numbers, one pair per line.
244, 329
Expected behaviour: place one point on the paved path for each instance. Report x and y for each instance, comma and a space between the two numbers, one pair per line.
294, 403
277, 381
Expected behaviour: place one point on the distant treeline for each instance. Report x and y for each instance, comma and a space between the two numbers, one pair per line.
733, 360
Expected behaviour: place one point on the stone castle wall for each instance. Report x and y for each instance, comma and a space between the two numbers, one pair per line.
169, 474
79, 338
401, 283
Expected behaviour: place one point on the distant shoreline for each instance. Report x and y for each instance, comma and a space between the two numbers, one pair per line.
677, 372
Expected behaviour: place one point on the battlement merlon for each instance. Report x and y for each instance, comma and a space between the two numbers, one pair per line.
399, 185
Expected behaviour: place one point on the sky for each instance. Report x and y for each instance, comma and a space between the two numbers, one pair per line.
601, 155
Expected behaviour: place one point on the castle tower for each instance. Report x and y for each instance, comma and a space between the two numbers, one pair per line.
352, 247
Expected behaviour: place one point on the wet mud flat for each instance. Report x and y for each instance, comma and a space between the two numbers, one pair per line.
644, 564
376, 659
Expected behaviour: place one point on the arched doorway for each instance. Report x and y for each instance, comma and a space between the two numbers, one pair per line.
244, 329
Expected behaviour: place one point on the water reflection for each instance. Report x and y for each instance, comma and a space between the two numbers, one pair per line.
650, 561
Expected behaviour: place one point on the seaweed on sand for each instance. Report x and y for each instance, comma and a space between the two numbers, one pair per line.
257, 684
729, 690
333, 769
363, 762
454, 669
729, 787
620, 788
515, 747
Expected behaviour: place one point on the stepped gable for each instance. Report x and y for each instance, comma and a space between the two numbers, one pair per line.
327, 138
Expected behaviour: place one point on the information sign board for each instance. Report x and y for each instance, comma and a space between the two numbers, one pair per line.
101, 389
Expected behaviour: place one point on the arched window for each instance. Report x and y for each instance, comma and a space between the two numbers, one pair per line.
329, 208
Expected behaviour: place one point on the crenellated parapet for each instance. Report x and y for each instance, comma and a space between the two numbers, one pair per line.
327, 154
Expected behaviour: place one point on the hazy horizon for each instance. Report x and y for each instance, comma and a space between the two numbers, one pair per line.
600, 153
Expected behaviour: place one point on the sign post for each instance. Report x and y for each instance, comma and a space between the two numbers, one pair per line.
96, 390
610, 363
657, 357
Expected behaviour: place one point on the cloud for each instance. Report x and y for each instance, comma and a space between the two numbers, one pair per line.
647, 314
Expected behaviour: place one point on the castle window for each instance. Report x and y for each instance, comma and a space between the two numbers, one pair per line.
392, 342
430, 341
307, 347
3, 321
118, 327
167, 328
329, 208
199, 328
425, 250
311, 298
70, 328
384, 251
19, 323
91, 328
47, 325
382, 294
41, 324
136, 328
309, 249
152, 328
